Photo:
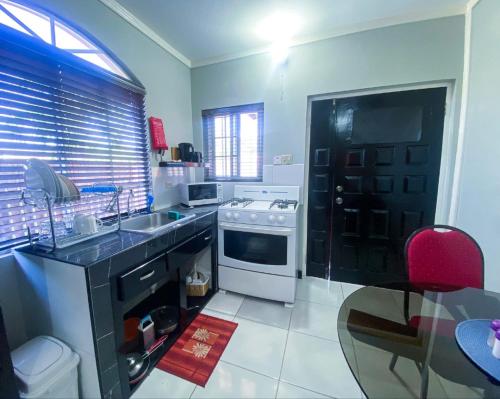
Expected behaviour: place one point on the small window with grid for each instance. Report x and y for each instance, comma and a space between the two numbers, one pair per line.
233, 142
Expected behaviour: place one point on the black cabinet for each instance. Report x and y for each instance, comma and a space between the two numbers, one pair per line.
158, 282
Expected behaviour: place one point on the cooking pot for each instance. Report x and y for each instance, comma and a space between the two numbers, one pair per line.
165, 319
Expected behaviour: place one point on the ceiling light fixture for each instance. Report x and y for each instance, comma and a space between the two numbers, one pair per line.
279, 28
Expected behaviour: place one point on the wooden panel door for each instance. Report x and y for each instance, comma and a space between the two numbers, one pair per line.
384, 178
320, 189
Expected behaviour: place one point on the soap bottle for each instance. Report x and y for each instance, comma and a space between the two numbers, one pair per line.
496, 346
494, 327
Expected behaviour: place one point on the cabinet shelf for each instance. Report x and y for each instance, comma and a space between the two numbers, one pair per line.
176, 164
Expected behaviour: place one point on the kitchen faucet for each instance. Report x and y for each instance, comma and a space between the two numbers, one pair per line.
130, 195
113, 205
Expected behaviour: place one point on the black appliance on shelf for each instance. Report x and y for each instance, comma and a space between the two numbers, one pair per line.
187, 152
197, 157
8, 387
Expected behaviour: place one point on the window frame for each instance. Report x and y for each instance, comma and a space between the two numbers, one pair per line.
209, 140
26, 44
36, 44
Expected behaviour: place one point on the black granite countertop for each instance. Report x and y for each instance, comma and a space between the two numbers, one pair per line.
102, 249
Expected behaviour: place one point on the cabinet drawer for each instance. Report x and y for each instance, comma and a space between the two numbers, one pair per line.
206, 237
142, 277
198, 242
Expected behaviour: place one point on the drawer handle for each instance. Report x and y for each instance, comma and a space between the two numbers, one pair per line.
208, 238
148, 275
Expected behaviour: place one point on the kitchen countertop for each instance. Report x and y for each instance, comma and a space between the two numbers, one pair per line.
101, 249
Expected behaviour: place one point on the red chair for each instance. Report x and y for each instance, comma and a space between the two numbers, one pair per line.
439, 258
443, 256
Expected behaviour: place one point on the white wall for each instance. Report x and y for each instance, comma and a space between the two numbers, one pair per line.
417, 52
479, 194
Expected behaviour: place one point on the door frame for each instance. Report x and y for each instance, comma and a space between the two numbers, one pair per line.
448, 155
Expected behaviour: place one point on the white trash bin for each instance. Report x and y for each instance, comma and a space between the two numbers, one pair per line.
46, 368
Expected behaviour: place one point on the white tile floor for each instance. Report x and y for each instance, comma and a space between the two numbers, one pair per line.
275, 352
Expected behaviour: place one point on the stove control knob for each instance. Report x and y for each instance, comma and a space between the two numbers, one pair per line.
272, 218
229, 215
236, 215
253, 217
281, 219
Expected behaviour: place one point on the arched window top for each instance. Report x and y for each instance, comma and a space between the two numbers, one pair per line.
55, 32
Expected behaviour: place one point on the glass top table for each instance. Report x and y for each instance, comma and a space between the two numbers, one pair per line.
396, 356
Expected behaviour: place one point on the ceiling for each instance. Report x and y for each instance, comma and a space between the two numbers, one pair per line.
200, 32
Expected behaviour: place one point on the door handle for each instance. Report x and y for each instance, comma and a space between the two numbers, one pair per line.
339, 201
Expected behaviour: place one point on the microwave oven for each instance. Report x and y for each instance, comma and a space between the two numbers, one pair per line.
193, 194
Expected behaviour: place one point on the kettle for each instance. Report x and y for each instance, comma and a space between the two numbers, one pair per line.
186, 151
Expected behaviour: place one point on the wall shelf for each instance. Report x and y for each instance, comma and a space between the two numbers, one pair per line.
177, 164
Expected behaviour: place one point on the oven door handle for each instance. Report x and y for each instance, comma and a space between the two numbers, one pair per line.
277, 231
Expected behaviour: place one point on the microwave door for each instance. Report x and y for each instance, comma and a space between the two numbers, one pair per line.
199, 192
257, 248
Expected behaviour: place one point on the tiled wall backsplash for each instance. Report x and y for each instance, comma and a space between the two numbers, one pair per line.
166, 181
283, 175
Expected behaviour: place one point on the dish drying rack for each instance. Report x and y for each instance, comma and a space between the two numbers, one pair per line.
41, 199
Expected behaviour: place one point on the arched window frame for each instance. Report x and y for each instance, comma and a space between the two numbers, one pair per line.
76, 56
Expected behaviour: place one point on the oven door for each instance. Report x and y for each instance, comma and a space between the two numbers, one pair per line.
261, 249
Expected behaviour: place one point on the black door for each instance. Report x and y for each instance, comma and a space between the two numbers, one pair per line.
381, 182
319, 210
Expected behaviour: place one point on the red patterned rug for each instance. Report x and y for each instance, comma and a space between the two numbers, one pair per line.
198, 350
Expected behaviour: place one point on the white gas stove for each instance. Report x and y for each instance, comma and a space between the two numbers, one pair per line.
267, 213
258, 242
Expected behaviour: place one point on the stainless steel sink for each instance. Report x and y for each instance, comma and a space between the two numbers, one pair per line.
153, 223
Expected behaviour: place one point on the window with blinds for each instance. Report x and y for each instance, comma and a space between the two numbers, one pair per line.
86, 122
233, 142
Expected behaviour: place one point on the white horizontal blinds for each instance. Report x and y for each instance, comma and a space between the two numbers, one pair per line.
233, 142
86, 127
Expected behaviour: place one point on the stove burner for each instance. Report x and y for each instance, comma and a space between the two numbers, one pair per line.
239, 201
283, 204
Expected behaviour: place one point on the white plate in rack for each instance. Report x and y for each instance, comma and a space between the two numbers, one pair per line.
40, 177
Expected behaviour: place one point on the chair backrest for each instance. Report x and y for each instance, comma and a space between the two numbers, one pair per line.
444, 256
